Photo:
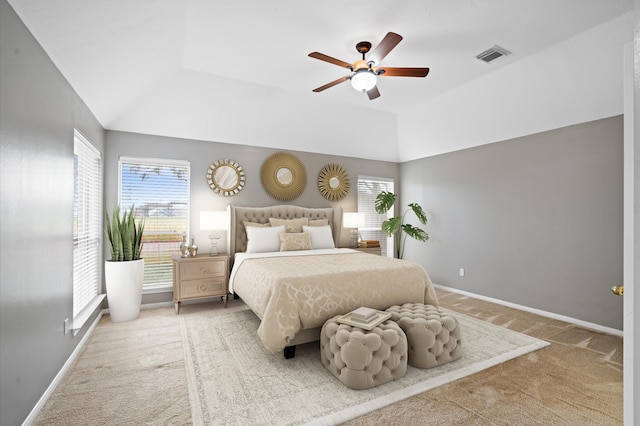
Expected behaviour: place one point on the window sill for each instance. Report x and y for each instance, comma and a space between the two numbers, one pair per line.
158, 289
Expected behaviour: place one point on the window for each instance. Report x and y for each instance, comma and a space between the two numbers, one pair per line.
87, 229
368, 188
159, 190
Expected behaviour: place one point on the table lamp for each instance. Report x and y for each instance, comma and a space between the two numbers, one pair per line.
214, 221
354, 221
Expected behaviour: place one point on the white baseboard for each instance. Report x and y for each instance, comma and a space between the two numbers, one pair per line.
52, 387
585, 324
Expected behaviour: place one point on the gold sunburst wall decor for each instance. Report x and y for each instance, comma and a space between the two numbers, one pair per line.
225, 177
334, 182
283, 176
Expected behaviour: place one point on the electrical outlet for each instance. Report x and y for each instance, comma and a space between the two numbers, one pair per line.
67, 327
461, 272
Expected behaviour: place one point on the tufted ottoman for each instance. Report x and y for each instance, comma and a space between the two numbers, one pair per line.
433, 335
362, 359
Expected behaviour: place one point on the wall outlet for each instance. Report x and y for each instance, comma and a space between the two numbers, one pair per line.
67, 326
461, 272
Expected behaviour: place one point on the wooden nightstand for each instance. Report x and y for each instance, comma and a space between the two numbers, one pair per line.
199, 277
370, 250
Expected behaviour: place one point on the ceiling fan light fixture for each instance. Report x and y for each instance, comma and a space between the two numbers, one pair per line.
363, 80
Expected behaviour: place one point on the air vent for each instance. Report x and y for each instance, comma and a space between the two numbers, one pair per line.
492, 54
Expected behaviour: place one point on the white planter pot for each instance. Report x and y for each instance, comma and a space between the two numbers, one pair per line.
124, 288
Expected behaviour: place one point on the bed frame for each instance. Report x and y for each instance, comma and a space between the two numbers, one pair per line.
237, 242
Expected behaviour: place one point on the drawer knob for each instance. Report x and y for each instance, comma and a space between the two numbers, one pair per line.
202, 288
203, 269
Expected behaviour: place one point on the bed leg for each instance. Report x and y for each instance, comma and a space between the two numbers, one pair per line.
289, 352
235, 296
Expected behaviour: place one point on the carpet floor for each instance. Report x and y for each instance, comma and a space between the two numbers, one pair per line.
134, 373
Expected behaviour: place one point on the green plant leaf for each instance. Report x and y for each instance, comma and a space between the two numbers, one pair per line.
417, 210
391, 226
123, 235
384, 201
415, 232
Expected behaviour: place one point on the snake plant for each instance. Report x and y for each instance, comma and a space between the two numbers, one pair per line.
125, 237
395, 227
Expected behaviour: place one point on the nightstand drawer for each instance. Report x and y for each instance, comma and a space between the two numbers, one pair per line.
202, 269
203, 288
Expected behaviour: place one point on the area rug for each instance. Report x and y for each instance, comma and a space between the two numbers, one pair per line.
232, 379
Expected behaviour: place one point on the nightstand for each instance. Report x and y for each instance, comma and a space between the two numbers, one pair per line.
370, 250
200, 277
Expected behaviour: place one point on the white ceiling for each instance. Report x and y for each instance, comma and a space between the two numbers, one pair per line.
171, 67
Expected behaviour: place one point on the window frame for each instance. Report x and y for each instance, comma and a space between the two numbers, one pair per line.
371, 216
87, 231
167, 285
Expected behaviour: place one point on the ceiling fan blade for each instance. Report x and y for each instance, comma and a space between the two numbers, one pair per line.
387, 44
328, 85
373, 93
331, 60
404, 72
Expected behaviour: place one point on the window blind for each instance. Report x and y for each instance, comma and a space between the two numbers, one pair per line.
87, 225
368, 189
159, 190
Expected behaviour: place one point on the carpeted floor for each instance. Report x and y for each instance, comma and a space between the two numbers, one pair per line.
577, 380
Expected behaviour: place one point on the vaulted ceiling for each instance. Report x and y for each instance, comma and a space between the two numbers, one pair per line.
238, 71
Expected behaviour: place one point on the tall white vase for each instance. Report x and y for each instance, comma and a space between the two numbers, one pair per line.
124, 288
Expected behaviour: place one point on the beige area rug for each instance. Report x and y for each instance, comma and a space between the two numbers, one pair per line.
232, 379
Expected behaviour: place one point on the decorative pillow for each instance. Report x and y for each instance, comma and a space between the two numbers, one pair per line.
291, 225
295, 241
262, 225
263, 239
319, 222
321, 236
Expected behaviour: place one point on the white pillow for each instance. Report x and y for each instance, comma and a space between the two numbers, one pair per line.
321, 236
263, 239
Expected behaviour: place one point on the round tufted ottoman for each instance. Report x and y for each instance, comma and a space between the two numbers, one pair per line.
433, 335
362, 359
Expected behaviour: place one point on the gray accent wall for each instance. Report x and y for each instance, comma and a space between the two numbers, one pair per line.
201, 154
38, 113
535, 221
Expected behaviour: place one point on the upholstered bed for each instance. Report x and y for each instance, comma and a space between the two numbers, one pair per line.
294, 291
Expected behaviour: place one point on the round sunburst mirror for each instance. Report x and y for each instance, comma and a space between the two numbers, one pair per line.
225, 177
334, 182
283, 176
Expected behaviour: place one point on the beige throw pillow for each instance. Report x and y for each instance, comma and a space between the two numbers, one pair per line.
319, 222
255, 224
290, 225
295, 241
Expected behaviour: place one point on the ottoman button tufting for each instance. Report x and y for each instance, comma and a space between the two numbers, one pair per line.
428, 346
380, 358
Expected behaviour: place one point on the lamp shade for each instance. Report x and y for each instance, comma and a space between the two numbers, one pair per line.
363, 80
353, 220
210, 221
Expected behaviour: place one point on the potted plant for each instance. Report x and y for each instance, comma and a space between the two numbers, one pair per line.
395, 226
124, 273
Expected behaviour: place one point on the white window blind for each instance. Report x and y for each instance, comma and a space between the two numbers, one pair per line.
87, 228
159, 190
368, 189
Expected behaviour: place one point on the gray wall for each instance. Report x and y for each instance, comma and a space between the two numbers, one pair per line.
38, 111
201, 154
535, 221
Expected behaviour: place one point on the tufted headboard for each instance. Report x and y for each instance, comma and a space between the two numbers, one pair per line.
237, 241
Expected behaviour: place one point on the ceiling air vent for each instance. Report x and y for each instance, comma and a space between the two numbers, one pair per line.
492, 54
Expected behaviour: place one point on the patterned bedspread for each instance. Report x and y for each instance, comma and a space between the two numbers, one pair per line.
291, 291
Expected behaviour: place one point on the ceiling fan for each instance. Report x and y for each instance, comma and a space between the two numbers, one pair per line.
364, 73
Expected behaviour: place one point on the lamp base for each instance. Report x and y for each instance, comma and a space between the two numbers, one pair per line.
355, 238
214, 237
